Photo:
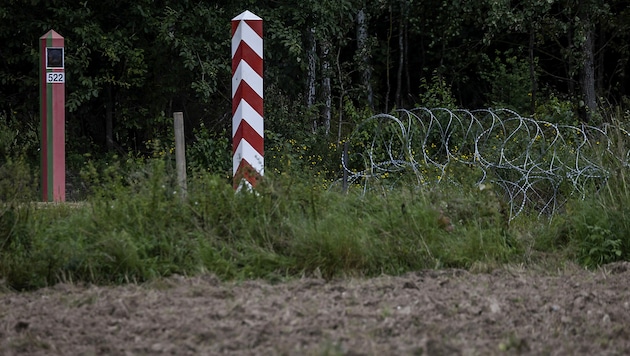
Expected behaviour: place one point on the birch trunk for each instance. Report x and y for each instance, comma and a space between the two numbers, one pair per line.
401, 64
364, 50
311, 75
532, 71
326, 86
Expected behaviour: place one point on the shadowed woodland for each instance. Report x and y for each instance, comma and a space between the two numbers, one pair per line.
328, 64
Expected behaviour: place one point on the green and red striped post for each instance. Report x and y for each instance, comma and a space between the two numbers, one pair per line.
53, 116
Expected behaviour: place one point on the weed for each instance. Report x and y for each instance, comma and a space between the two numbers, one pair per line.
135, 227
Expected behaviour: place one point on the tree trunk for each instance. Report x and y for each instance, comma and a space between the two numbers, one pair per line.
401, 61
532, 71
407, 74
364, 50
569, 65
402, 50
387, 64
311, 75
587, 73
342, 94
326, 86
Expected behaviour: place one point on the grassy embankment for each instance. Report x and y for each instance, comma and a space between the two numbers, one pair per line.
135, 227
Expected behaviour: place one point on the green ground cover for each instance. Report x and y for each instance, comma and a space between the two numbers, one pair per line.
134, 226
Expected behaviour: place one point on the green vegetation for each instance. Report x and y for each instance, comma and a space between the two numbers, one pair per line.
134, 226
131, 64
328, 67
134, 230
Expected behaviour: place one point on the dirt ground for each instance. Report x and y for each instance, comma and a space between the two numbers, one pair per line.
447, 312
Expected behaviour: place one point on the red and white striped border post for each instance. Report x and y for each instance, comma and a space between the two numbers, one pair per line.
247, 100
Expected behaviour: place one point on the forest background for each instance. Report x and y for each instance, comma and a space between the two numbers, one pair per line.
328, 65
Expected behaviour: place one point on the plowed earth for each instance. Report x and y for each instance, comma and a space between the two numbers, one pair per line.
447, 312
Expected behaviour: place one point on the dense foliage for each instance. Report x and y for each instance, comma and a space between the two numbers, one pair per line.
136, 227
329, 65
131, 64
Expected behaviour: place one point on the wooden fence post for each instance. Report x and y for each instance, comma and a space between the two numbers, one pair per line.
180, 153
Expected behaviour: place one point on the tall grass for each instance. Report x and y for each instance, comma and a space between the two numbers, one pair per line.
596, 230
136, 227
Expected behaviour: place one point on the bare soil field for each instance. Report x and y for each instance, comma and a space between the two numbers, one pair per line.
445, 312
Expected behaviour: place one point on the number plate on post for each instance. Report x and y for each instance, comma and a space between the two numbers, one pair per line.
56, 77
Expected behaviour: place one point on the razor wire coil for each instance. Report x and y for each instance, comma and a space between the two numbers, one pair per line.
537, 163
